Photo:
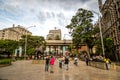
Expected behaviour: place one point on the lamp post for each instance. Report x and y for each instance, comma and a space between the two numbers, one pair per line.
26, 40
64, 38
101, 36
44, 47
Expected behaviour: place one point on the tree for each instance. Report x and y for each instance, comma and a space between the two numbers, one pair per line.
82, 28
32, 43
108, 46
9, 46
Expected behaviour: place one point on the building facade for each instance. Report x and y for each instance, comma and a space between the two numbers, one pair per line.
110, 22
54, 34
13, 33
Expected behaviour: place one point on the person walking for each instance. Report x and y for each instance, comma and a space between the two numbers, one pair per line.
107, 62
60, 63
47, 63
52, 60
86, 60
66, 62
76, 61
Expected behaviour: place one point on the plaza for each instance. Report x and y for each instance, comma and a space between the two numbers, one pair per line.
85, 29
26, 70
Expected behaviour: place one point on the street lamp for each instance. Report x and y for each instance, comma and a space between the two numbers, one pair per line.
64, 39
101, 36
26, 39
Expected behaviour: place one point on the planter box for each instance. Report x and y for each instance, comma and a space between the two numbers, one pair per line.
102, 65
112, 66
98, 65
118, 68
38, 61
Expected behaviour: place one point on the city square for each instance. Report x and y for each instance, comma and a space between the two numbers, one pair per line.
59, 39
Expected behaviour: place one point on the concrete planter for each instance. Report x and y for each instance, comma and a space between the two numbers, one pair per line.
118, 68
98, 65
38, 61
112, 66
102, 65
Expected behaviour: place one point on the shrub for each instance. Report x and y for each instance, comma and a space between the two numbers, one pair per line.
5, 61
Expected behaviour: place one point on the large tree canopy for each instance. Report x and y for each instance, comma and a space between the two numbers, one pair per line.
82, 28
8, 46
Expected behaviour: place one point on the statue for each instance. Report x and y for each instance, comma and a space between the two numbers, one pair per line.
39, 53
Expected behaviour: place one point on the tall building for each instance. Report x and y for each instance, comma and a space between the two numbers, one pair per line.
54, 34
110, 21
13, 33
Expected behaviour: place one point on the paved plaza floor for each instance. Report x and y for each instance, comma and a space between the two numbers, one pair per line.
25, 70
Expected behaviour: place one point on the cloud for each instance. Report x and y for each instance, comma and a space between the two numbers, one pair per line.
41, 16
45, 14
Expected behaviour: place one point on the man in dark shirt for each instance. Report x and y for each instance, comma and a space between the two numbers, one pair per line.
47, 63
66, 62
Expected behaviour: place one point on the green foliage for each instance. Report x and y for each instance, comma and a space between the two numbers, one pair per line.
108, 46
8, 45
32, 43
31, 51
32, 40
5, 61
82, 28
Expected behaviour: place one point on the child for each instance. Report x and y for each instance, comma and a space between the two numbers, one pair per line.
60, 63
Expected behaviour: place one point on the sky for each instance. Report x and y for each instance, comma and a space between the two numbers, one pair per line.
44, 14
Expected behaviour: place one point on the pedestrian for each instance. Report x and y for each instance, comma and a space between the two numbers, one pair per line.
66, 62
47, 60
52, 60
107, 62
86, 60
60, 63
76, 61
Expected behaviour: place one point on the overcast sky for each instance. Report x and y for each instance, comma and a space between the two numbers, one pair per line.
45, 14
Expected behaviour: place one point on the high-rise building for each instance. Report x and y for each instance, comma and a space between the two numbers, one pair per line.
13, 33
54, 34
110, 21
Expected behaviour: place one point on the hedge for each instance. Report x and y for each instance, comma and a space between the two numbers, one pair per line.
5, 61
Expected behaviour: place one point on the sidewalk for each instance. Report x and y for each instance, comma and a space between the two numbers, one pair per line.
25, 70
